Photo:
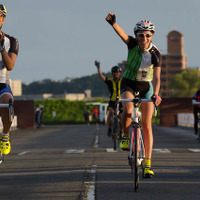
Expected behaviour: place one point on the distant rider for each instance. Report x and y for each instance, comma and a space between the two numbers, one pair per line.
196, 110
114, 85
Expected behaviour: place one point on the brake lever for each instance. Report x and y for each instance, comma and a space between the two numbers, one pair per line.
155, 107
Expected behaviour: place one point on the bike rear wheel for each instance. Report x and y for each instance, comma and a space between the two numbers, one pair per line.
115, 132
198, 127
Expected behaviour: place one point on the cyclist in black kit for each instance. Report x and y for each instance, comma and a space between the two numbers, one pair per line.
196, 111
8, 54
114, 85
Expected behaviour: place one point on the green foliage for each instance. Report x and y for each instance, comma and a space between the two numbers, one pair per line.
156, 119
66, 111
185, 84
69, 112
77, 85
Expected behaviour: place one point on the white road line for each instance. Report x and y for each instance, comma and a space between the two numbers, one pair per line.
23, 153
74, 151
90, 186
110, 150
161, 151
195, 150
96, 142
43, 172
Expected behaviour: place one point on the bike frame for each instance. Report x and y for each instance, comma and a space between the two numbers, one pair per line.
136, 137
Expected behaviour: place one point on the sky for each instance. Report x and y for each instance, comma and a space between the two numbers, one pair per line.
63, 38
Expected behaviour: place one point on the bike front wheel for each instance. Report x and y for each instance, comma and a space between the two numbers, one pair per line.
134, 156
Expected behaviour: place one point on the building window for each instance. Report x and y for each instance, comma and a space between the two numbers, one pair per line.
175, 64
174, 57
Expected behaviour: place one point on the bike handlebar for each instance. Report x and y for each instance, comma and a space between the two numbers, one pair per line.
138, 100
5, 105
194, 102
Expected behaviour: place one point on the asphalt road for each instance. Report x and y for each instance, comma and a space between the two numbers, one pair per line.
77, 162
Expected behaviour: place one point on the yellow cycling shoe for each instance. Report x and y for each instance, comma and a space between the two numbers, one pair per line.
5, 145
124, 144
148, 172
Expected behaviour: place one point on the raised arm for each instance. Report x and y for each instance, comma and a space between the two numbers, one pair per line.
8, 58
111, 19
97, 64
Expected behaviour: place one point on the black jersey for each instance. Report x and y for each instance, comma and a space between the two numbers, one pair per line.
113, 87
11, 46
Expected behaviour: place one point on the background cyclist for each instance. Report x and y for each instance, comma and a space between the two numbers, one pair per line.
196, 110
8, 55
142, 75
113, 85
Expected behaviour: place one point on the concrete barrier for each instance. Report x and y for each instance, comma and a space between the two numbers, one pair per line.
24, 109
185, 119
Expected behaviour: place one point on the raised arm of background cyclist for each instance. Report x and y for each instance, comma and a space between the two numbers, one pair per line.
111, 19
9, 59
97, 64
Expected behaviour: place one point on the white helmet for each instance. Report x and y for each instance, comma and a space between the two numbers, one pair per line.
144, 25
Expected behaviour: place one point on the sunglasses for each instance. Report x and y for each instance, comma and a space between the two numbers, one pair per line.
142, 35
115, 71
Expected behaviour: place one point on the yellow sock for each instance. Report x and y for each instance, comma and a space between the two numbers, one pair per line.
148, 162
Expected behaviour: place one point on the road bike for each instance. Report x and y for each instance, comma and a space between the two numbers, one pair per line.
116, 124
194, 102
136, 154
198, 137
10, 110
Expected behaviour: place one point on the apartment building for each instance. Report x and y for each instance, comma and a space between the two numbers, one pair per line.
16, 87
174, 62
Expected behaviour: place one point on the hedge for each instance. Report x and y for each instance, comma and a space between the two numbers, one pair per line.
69, 112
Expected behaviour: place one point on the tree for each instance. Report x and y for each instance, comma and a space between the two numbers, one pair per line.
185, 84
77, 85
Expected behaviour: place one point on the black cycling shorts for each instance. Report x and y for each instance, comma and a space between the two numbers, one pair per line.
144, 88
5, 88
112, 106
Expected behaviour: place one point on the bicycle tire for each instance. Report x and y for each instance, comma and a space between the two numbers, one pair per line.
198, 128
133, 156
115, 130
136, 170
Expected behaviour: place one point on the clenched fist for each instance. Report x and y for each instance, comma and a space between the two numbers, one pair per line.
111, 18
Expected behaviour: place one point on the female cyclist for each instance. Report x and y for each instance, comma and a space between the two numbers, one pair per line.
142, 75
9, 48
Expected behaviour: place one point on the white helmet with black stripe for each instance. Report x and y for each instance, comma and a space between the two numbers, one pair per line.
144, 25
